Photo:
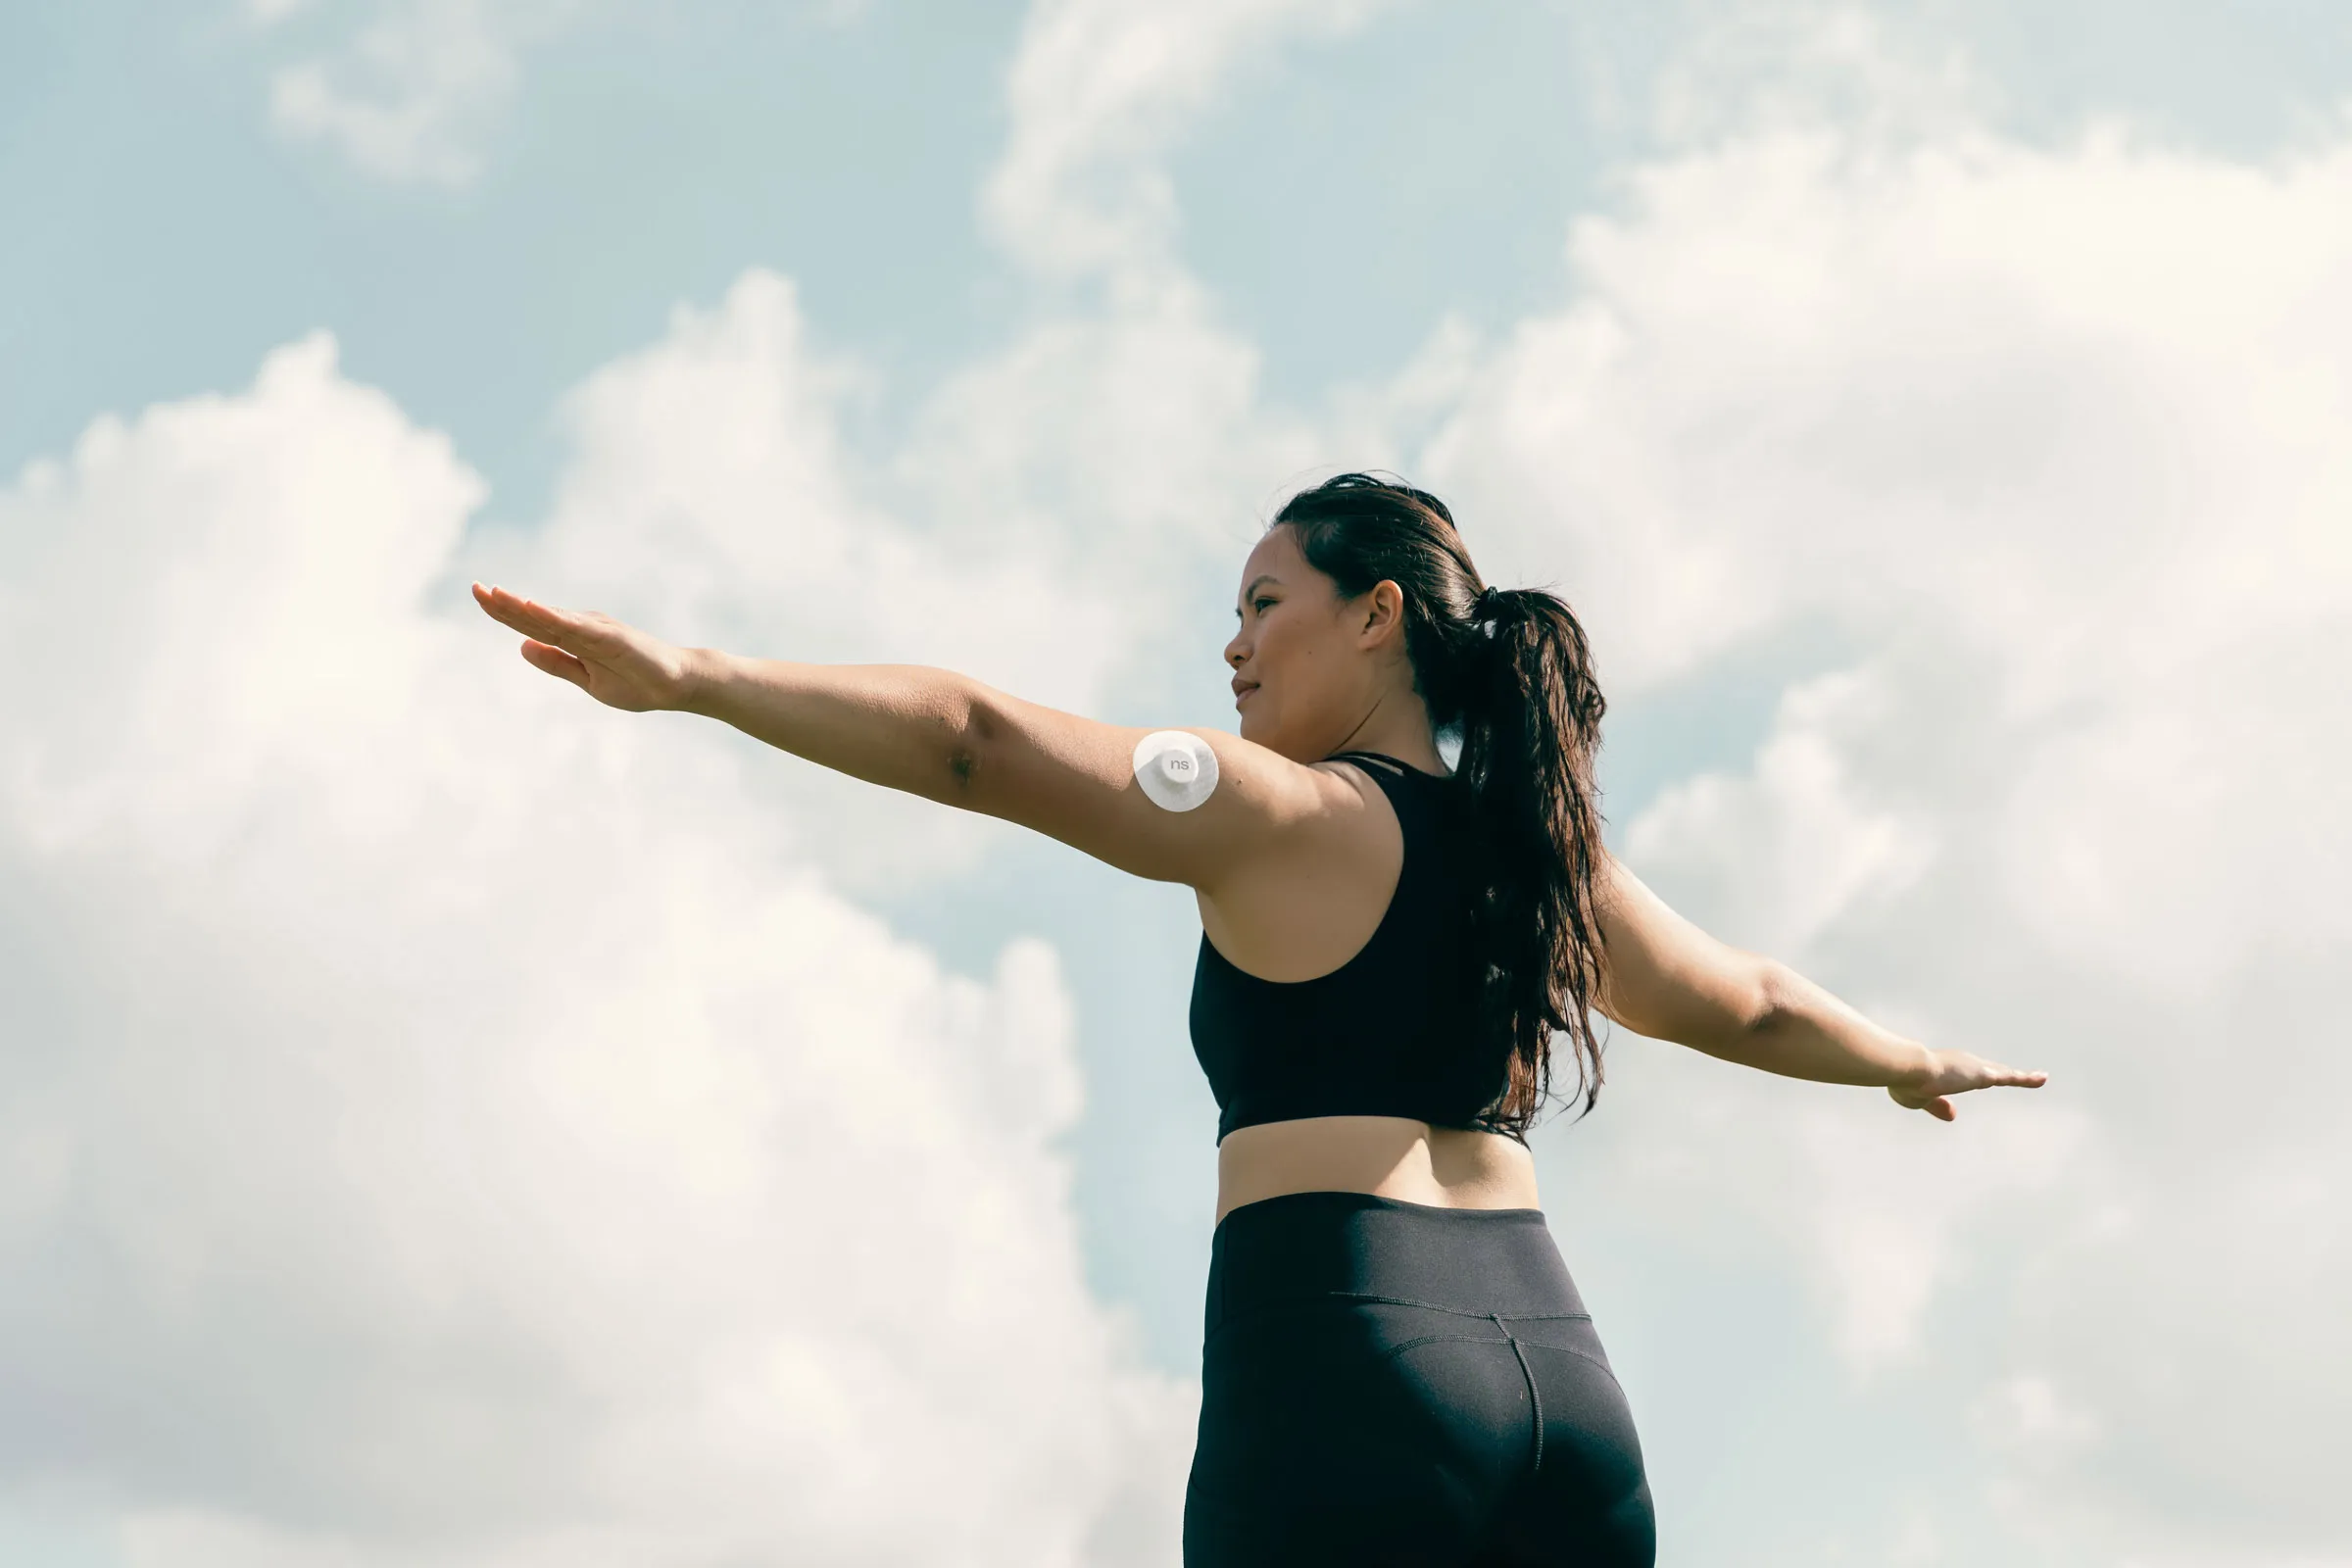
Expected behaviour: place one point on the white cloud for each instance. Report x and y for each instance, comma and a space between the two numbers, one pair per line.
1831, 853
1120, 431
2028, 1412
413, 89
713, 488
1098, 91
2048, 437
713, 500
411, 93
2043, 438
1045, 527
1759, 64
536, 1114
453, 1127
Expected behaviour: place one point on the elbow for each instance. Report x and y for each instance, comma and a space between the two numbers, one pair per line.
1743, 1011
972, 729
1769, 999
963, 770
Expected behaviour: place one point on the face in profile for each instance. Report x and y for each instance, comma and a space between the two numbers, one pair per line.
1301, 676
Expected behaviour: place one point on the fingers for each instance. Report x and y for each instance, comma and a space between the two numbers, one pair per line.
580, 636
506, 609
556, 661
1974, 1072
497, 602
528, 617
523, 614
1938, 1106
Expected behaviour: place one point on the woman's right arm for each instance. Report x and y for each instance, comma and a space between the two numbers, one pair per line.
950, 738
1667, 979
963, 743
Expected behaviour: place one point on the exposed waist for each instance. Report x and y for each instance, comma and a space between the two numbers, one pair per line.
1388, 1156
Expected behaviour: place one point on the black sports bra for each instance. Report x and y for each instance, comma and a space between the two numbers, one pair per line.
1385, 1034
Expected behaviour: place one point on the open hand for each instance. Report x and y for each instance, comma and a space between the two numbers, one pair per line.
610, 661
1952, 1072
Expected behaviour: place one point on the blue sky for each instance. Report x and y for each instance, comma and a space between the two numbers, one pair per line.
1929, 407
645, 160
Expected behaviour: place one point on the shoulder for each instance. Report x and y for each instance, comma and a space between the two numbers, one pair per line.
1369, 797
1310, 894
1328, 822
1291, 799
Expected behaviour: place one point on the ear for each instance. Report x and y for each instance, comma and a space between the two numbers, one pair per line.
1383, 610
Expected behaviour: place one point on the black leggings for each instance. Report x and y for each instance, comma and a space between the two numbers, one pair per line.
1392, 1383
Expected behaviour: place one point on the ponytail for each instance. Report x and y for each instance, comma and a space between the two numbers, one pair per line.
1531, 729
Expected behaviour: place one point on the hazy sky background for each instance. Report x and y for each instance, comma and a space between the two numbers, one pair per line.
446, 1122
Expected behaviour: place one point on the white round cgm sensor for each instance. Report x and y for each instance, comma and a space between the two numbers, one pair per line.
1178, 771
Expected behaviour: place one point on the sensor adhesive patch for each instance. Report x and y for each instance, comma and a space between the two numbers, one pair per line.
1177, 771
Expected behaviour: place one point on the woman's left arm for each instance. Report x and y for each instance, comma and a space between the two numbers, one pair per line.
1666, 978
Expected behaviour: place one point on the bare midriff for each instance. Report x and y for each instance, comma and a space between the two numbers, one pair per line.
1389, 1156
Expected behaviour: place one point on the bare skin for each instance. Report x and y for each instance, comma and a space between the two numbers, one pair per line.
1291, 860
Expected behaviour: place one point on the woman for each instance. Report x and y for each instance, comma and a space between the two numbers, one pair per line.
1397, 1369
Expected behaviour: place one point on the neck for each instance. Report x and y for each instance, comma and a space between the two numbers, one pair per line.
1400, 731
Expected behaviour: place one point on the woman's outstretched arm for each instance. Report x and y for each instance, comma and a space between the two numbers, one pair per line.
1669, 980
960, 742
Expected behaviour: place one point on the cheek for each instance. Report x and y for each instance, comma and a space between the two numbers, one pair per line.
1283, 649
1294, 663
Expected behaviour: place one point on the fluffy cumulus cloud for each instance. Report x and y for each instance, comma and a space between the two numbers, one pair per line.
2047, 439
713, 499
1098, 92
514, 1091
458, 1124
449, 1123
452, 1123
1120, 431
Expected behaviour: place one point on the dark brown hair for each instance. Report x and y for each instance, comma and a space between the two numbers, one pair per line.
1508, 671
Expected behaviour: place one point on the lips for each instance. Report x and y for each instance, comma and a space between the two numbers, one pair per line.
1241, 689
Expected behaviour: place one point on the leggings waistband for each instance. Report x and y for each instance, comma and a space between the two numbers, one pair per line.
1482, 1261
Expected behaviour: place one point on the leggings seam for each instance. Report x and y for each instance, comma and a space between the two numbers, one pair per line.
1535, 1395
1227, 1318
1396, 1350
1512, 1339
